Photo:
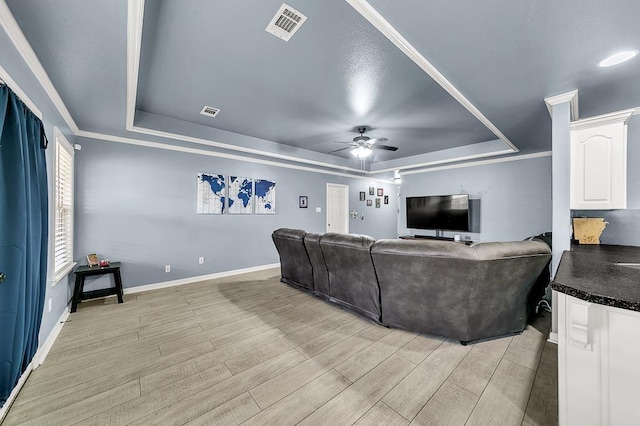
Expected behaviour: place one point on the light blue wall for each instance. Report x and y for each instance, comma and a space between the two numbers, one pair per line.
137, 205
514, 197
13, 64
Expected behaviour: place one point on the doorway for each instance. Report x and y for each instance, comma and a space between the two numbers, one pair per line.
337, 208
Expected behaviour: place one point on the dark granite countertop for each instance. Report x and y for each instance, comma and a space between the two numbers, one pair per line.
598, 274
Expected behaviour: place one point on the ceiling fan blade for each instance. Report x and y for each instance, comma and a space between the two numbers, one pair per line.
385, 147
339, 149
376, 140
342, 142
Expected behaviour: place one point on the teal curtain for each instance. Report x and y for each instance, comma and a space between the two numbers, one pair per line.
23, 236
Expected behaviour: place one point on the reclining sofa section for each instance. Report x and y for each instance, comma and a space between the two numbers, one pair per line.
458, 291
435, 287
295, 265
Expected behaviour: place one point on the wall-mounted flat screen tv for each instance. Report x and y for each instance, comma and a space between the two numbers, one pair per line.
439, 212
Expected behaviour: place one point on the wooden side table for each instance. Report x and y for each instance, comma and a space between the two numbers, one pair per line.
84, 271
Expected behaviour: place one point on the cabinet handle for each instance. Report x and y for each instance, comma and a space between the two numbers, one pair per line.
2, 277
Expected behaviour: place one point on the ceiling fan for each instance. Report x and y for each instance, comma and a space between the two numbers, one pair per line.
362, 146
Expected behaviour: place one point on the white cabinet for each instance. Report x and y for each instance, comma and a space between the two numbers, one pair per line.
599, 162
598, 364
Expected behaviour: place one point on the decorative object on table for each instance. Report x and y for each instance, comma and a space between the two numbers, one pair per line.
587, 230
386, 199
240, 197
354, 214
380, 192
372, 190
104, 262
369, 203
265, 197
92, 260
378, 203
363, 196
303, 201
211, 194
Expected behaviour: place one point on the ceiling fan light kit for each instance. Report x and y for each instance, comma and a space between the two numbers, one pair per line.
361, 151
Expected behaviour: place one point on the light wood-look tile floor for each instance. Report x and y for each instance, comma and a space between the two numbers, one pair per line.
251, 350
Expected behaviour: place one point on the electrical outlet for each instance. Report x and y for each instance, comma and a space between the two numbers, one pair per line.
167, 268
50, 304
200, 260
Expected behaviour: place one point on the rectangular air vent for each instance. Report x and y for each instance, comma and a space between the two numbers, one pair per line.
209, 111
286, 22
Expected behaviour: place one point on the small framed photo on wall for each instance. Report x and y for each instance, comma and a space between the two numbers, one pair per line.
380, 192
386, 199
372, 190
303, 201
378, 203
363, 196
369, 203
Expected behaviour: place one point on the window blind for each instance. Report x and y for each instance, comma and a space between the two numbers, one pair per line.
63, 226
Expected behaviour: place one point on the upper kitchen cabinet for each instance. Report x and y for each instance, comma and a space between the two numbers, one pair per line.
599, 162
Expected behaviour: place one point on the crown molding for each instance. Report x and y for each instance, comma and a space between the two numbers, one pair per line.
378, 21
571, 97
197, 151
17, 37
200, 141
481, 163
600, 120
444, 161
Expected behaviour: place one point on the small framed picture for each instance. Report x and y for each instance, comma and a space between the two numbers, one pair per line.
380, 192
377, 203
363, 196
369, 203
303, 201
92, 259
386, 199
371, 190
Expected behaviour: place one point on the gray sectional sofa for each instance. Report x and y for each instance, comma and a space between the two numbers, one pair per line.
435, 287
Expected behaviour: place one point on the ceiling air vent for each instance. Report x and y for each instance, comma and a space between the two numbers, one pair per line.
286, 22
209, 111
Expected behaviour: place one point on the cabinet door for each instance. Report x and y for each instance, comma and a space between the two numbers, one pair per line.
620, 366
599, 167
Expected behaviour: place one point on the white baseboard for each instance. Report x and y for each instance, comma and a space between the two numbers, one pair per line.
14, 393
553, 338
183, 281
37, 360
43, 350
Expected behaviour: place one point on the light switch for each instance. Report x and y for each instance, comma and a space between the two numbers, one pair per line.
318, 209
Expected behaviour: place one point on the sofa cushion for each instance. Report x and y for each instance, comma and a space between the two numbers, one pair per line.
320, 274
352, 277
294, 262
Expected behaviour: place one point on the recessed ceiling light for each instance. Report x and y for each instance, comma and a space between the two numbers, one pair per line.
617, 58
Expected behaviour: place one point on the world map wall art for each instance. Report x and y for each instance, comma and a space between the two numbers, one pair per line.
218, 194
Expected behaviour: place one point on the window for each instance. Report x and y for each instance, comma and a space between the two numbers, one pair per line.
63, 199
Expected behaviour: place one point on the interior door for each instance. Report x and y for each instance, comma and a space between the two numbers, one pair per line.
337, 208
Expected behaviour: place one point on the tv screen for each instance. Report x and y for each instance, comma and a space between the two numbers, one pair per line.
439, 212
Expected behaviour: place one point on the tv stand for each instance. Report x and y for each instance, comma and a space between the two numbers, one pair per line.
432, 237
